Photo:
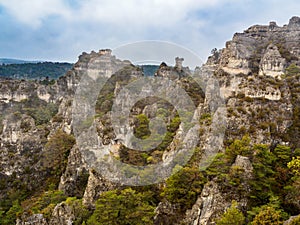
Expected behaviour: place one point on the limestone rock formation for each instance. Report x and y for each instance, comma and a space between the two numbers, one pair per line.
244, 163
75, 177
175, 72
259, 102
272, 64
62, 215
213, 201
96, 185
36, 219
165, 213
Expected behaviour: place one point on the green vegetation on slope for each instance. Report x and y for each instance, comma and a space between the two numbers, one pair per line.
272, 192
232, 216
125, 207
35, 70
42, 199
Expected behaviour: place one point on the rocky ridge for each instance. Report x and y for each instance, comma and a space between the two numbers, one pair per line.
258, 99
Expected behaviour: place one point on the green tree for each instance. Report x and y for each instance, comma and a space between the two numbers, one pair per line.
184, 186
142, 127
292, 190
56, 154
11, 215
125, 207
239, 147
48, 198
294, 165
264, 183
232, 216
293, 70
283, 153
268, 216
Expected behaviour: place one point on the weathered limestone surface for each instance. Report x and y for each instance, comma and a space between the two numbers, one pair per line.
249, 71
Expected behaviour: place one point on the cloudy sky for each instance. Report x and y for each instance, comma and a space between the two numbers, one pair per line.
59, 30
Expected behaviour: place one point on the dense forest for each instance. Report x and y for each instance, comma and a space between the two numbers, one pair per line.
38, 70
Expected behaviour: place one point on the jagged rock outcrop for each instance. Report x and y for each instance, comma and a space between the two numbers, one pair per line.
18, 90
74, 180
62, 215
165, 213
258, 102
272, 63
213, 200
250, 68
96, 185
211, 203
251, 53
36, 219
245, 164
178, 71
32, 112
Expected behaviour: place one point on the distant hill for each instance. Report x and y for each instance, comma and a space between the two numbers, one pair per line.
37, 70
14, 61
23, 69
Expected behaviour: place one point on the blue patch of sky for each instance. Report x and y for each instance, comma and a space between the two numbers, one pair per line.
74, 4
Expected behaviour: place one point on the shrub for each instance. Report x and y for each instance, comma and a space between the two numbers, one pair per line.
81, 213
232, 216
142, 127
239, 147
123, 207
56, 154
183, 187
268, 216
48, 199
11, 215
294, 165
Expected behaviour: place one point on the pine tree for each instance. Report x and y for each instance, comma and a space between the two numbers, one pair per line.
232, 216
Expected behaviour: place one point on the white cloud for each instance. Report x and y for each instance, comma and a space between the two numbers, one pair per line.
68, 27
115, 12
137, 12
32, 12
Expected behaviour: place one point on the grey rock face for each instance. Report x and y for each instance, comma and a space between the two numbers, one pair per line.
241, 54
294, 23
272, 64
96, 185
62, 215
260, 51
248, 71
165, 213
208, 206
263, 51
36, 219
74, 180
245, 164
213, 201
250, 68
